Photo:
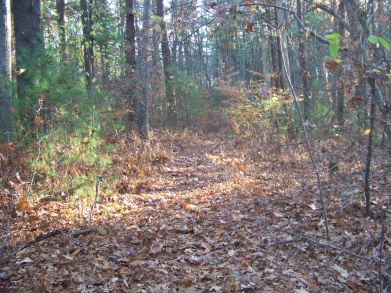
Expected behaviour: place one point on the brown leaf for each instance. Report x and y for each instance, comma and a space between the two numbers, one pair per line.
207, 247
331, 64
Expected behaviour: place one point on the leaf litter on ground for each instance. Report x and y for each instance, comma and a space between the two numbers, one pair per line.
210, 214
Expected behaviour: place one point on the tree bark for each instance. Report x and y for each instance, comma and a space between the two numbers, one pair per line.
274, 81
130, 38
368, 209
303, 70
88, 42
142, 105
29, 48
130, 57
282, 45
60, 8
339, 78
5, 71
172, 119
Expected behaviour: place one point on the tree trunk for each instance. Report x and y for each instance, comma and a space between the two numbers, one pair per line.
130, 57
130, 37
303, 70
29, 48
60, 8
339, 78
5, 72
142, 105
172, 119
282, 44
272, 54
368, 209
88, 42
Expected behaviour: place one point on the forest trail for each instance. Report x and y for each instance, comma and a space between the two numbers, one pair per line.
212, 214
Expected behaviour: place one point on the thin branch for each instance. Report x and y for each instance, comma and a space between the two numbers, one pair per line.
298, 20
38, 239
336, 15
318, 244
91, 247
54, 233
307, 141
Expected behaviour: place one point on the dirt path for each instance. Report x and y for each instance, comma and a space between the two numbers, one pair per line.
202, 218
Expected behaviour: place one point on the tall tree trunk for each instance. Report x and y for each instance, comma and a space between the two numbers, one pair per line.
88, 42
181, 62
5, 71
29, 48
338, 84
174, 12
60, 8
142, 105
282, 42
130, 37
166, 65
130, 57
272, 54
303, 70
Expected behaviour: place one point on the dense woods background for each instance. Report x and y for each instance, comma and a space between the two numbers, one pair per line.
82, 81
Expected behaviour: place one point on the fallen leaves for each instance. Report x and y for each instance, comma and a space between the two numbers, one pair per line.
195, 222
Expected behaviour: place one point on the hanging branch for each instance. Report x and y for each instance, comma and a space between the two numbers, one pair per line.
307, 141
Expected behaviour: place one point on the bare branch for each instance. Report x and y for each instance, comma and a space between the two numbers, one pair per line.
299, 22
316, 243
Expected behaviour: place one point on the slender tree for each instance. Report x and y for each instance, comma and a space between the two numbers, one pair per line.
142, 105
130, 57
88, 42
165, 47
5, 71
303, 68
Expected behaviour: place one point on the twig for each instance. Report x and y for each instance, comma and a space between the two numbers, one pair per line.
38, 239
99, 179
36, 160
58, 232
282, 242
310, 153
6, 231
315, 243
78, 233
92, 247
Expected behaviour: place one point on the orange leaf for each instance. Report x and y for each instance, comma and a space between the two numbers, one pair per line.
250, 27
23, 205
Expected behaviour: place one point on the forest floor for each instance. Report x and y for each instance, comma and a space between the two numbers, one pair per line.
210, 213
